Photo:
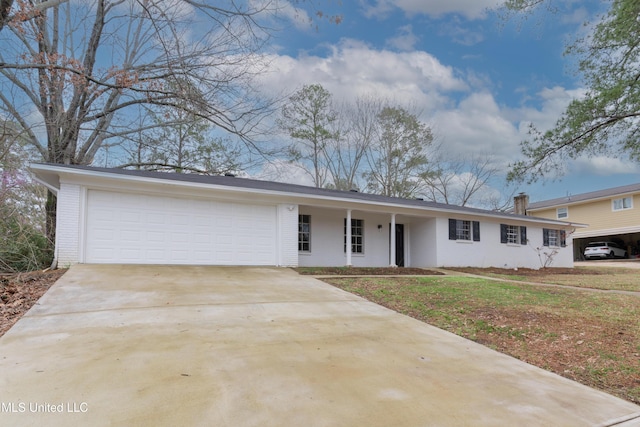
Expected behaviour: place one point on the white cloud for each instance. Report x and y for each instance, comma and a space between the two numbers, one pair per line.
471, 9
405, 40
604, 166
473, 124
459, 33
354, 69
478, 125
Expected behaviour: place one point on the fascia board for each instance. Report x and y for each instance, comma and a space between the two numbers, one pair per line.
585, 201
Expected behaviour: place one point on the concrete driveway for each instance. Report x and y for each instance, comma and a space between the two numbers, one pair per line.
216, 346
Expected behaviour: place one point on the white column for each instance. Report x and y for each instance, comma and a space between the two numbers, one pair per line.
348, 238
392, 242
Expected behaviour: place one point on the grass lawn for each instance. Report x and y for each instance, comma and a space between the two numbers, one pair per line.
609, 278
593, 338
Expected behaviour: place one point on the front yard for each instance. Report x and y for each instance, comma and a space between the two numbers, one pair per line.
590, 337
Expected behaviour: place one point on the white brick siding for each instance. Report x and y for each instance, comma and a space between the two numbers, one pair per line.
68, 224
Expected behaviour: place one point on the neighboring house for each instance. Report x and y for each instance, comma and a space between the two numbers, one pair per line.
611, 215
126, 216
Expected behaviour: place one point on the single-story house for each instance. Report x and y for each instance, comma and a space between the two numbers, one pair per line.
140, 217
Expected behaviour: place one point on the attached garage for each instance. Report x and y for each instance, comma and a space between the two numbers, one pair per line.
131, 228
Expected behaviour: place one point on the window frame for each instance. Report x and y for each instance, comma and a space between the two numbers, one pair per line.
622, 207
458, 225
357, 236
560, 238
463, 229
565, 215
302, 232
518, 234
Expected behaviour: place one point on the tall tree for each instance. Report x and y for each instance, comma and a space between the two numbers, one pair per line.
461, 180
88, 69
397, 157
308, 117
605, 121
357, 125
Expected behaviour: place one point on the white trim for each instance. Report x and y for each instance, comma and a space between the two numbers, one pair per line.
613, 202
606, 232
566, 208
392, 241
82, 226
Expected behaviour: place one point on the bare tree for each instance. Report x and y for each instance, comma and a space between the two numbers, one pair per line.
79, 75
356, 130
462, 180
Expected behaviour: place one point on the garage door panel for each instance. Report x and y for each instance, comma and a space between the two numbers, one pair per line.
130, 228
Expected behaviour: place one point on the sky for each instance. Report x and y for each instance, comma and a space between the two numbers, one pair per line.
477, 77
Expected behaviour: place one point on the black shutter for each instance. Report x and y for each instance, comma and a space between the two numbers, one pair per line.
523, 235
476, 231
452, 229
503, 233
545, 237
563, 238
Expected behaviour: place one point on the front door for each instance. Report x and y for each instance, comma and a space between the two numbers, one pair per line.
399, 244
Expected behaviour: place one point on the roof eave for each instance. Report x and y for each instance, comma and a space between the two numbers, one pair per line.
49, 175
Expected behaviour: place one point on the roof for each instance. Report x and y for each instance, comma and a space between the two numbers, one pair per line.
48, 174
584, 197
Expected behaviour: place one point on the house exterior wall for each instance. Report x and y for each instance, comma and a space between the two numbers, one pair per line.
423, 243
69, 220
599, 215
287, 235
427, 243
327, 239
490, 252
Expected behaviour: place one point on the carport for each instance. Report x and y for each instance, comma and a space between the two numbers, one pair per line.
240, 346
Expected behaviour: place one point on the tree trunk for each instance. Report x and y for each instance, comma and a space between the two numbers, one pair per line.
50, 219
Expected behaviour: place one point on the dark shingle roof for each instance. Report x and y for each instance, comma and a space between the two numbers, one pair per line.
281, 187
593, 195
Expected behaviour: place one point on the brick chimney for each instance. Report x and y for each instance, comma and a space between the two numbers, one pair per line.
520, 204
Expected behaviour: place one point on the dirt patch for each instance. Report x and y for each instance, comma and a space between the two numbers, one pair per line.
527, 272
366, 271
19, 292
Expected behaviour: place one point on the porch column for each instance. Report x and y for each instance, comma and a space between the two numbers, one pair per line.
348, 239
392, 242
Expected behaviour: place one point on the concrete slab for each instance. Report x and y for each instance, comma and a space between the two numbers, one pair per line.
227, 346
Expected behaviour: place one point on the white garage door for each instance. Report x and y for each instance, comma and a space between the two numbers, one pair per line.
136, 229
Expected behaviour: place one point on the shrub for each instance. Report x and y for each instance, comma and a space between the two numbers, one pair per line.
22, 246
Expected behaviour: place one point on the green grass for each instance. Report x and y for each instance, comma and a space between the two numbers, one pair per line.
591, 337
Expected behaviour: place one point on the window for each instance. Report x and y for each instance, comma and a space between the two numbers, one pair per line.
552, 237
464, 230
622, 204
304, 233
562, 213
513, 234
357, 236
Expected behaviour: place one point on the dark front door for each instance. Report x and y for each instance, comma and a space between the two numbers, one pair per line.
399, 244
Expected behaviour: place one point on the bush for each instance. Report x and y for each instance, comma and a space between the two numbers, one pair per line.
23, 247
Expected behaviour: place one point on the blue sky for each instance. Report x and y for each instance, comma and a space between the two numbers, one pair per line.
477, 78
